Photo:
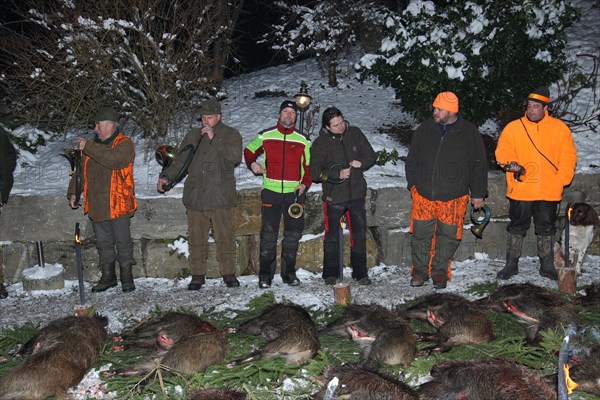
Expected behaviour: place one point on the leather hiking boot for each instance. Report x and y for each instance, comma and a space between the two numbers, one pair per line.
332, 280
108, 279
127, 284
291, 280
231, 281
264, 282
418, 280
196, 282
440, 282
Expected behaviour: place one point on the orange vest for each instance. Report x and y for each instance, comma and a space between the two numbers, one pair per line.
122, 187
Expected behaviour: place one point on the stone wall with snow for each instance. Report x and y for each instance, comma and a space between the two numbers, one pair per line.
159, 222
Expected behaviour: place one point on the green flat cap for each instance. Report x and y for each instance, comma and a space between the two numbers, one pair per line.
210, 107
107, 114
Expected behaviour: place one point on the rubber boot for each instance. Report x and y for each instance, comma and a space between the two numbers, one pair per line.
196, 282
544, 247
126, 278
108, 278
514, 246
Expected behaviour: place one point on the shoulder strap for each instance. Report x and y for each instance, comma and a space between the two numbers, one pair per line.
538, 150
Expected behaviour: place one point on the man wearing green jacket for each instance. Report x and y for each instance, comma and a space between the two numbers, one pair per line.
209, 192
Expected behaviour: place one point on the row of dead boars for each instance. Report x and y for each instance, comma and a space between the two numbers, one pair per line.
61, 353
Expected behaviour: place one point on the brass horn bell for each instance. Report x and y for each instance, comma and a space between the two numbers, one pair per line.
295, 210
164, 155
479, 223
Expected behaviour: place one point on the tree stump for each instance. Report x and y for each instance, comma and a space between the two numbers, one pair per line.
342, 293
567, 280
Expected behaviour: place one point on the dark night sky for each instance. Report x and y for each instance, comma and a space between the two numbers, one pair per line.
255, 20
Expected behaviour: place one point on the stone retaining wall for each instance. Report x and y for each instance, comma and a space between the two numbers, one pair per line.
158, 222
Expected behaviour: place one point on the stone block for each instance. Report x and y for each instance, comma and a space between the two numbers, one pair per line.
162, 261
159, 218
388, 207
247, 217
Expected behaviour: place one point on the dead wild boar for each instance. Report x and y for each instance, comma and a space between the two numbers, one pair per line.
386, 339
186, 344
530, 299
147, 333
290, 330
456, 321
59, 356
539, 308
484, 380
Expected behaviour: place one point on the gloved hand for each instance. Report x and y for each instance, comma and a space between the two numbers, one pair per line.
516, 169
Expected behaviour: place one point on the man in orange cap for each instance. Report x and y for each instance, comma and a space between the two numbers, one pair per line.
446, 164
539, 156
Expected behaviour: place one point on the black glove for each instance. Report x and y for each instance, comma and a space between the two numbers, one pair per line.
520, 170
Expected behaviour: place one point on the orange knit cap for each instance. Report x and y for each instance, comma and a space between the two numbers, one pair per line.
446, 101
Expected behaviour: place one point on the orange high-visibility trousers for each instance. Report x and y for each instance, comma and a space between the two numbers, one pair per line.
436, 228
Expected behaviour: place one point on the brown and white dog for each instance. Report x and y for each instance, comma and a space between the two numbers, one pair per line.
582, 220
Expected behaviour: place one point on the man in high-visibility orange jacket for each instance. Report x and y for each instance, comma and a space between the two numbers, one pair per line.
539, 156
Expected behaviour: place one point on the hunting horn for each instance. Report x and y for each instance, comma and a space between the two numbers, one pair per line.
296, 210
479, 223
74, 156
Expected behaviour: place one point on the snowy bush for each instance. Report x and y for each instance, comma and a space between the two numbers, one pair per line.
150, 59
490, 53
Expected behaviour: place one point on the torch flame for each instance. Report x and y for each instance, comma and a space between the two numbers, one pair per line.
569, 383
569, 213
77, 239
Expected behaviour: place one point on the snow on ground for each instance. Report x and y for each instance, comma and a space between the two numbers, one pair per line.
390, 287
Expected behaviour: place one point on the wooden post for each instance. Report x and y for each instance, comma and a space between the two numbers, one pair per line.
567, 280
342, 293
